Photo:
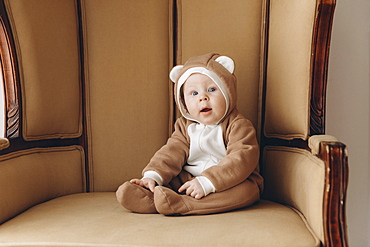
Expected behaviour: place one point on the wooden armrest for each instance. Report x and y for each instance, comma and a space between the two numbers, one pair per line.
334, 154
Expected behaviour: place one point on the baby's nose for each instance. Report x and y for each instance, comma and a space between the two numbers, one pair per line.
203, 97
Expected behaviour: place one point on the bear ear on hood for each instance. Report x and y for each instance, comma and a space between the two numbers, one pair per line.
174, 74
227, 62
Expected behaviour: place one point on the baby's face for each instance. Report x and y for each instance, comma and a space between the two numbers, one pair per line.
204, 100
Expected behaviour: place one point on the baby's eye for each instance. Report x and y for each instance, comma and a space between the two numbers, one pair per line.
212, 89
194, 93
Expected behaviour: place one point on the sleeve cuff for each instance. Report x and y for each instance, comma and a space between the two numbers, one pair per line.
206, 184
155, 176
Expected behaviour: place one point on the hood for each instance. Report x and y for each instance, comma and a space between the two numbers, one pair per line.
218, 68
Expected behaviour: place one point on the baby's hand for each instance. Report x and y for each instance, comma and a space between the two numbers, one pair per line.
193, 189
144, 182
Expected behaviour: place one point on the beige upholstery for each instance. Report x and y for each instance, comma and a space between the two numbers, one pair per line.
47, 44
128, 86
289, 69
32, 176
300, 185
96, 219
238, 37
113, 61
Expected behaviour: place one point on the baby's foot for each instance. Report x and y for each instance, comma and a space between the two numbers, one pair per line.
136, 198
168, 202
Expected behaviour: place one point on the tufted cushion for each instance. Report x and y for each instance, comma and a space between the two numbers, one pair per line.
126, 67
289, 69
46, 36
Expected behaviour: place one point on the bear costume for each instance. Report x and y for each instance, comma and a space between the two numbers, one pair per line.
223, 157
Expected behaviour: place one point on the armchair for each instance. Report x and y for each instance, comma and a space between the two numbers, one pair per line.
89, 101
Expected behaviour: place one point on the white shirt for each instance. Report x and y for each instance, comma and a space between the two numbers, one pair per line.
207, 148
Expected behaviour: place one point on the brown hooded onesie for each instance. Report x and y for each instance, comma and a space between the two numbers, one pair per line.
235, 178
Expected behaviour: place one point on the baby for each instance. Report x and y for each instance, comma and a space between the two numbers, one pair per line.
210, 162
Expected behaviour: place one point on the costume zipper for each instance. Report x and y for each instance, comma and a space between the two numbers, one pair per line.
200, 137
201, 149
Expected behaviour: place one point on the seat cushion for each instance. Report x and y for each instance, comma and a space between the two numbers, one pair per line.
96, 219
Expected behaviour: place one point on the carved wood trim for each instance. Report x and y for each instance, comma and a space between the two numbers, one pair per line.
10, 83
335, 157
320, 53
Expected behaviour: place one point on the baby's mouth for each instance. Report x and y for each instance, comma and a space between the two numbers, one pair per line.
204, 110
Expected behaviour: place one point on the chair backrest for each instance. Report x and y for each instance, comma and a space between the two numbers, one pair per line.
126, 54
127, 74
289, 69
104, 65
231, 28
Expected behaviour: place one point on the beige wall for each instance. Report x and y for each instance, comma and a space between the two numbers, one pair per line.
348, 116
